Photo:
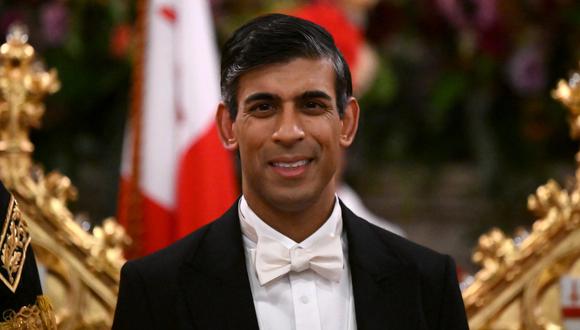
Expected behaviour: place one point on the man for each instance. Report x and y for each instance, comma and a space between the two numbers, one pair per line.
288, 254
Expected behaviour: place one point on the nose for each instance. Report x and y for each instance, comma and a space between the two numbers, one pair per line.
289, 128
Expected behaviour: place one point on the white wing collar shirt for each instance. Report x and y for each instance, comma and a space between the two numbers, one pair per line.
298, 286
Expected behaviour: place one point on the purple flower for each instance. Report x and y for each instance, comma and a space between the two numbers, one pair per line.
526, 70
453, 12
483, 17
54, 18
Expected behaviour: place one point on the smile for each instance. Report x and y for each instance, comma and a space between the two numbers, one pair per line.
291, 165
291, 169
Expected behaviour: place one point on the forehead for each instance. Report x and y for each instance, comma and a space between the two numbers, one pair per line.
289, 79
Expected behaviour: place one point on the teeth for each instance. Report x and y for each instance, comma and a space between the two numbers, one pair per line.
291, 165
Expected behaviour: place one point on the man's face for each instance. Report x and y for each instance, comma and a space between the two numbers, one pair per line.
289, 133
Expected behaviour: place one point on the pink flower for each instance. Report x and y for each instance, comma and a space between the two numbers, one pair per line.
486, 14
483, 17
54, 18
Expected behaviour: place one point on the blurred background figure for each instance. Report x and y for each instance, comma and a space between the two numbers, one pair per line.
346, 20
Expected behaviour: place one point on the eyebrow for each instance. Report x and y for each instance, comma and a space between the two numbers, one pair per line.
261, 97
315, 94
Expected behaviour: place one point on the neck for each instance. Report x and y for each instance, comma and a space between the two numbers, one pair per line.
294, 224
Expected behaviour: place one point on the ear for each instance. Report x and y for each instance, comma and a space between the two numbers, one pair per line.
225, 125
349, 122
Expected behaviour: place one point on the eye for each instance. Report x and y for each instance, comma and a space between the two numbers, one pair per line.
262, 108
314, 106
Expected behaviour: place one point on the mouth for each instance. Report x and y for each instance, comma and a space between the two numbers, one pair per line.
290, 168
291, 164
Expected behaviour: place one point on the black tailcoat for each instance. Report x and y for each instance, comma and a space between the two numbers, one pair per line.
200, 282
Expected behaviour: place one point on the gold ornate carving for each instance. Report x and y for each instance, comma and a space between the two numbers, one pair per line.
518, 284
14, 242
82, 267
39, 316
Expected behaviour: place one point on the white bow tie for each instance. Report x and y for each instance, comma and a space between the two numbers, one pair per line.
325, 257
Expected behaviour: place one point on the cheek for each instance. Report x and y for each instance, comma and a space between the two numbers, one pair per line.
326, 133
250, 143
328, 138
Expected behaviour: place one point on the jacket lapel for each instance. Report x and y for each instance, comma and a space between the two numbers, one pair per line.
214, 279
217, 292
385, 287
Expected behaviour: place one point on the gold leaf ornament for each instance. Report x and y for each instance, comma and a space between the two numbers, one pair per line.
13, 243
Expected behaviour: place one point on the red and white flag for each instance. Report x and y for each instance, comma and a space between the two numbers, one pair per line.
570, 302
175, 175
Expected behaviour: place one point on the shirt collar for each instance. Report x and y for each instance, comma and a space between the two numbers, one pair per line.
253, 227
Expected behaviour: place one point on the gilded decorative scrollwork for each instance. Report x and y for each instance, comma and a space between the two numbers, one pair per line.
518, 283
83, 267
110, 238
14, 241
39, 316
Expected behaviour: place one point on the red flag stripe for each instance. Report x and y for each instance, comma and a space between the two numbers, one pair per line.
155, 229
206, 169
571, 312
158, 229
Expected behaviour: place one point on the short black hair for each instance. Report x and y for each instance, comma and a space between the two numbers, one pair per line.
278, 38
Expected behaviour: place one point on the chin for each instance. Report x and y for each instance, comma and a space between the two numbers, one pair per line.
294, 200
